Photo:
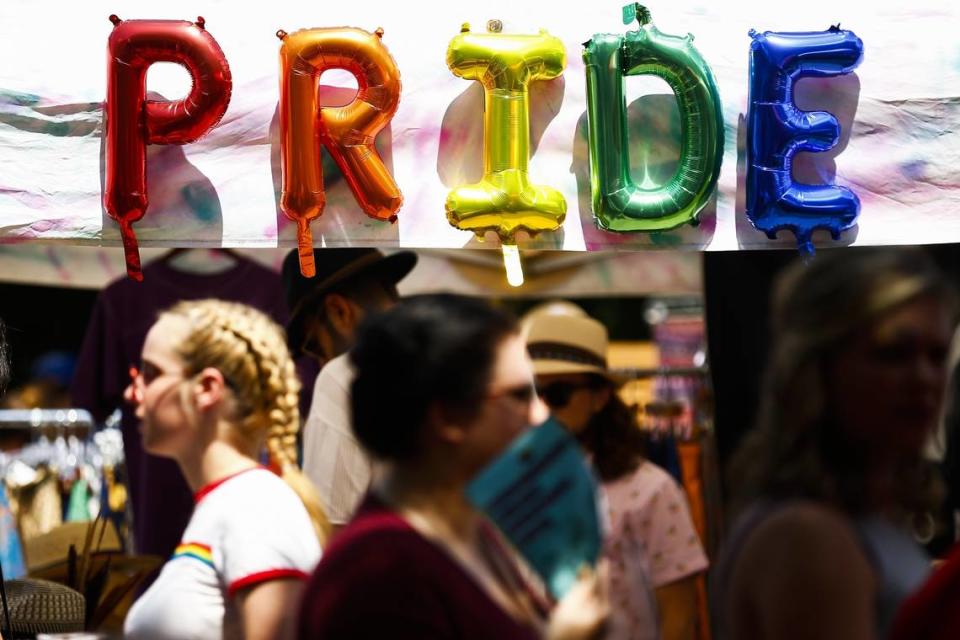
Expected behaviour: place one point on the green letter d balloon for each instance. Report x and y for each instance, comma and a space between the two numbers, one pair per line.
618, 203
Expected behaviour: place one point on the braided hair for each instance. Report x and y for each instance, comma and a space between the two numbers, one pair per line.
250, 350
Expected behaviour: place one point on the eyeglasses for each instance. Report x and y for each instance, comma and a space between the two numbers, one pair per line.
558, 394
522, 393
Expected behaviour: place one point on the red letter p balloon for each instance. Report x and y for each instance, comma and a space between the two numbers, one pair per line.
133, 122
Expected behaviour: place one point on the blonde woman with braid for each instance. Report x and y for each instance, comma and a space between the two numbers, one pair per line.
216, 385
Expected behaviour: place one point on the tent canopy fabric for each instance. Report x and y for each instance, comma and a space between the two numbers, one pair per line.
547, 274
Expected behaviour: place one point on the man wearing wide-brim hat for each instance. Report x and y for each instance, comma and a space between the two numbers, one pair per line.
324, 313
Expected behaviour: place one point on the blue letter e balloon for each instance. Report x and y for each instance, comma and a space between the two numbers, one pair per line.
777, 129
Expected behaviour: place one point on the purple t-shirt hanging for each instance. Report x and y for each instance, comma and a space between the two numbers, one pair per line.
124, 312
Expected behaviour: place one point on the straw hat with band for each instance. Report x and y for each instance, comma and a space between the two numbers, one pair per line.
335, 267
565, 344
41, 606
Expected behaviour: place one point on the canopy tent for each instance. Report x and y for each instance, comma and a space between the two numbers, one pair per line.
548, 273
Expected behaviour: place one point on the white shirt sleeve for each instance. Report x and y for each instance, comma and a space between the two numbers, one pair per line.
273, 541
332, 458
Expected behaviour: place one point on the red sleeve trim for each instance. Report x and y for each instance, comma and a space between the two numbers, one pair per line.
265, 576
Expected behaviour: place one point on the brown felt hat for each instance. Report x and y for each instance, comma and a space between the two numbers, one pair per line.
335, 268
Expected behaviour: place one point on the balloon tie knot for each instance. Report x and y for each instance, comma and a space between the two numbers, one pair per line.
643, 14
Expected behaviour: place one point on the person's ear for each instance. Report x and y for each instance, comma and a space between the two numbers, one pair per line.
445, 429
317, 341
209, 388
342, 315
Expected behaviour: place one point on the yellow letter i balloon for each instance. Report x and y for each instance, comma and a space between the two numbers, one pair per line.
504, 200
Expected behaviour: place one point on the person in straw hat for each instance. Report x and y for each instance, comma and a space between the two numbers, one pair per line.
654, 550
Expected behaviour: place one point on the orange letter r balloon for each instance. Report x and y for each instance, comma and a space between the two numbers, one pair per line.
347, 132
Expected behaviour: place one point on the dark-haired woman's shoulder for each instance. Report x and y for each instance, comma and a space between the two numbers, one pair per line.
379, 578
802, 573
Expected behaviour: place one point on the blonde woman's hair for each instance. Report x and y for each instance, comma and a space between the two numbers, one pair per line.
249, 349
798, 450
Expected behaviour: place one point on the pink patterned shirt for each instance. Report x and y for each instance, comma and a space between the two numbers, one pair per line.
651, 543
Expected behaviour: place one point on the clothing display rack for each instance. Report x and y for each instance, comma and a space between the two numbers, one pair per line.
45, 418
661, 372
66, 470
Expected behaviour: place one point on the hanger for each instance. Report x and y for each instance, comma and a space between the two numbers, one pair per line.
201, 261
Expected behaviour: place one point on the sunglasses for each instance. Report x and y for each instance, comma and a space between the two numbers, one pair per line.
558, 394
148, 372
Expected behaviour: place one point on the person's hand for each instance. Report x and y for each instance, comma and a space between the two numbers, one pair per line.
582, 613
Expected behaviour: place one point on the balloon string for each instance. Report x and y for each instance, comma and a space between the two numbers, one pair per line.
805, 245
305, 248
512, 264
131, 251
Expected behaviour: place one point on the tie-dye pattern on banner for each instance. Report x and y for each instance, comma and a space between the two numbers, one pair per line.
899, 113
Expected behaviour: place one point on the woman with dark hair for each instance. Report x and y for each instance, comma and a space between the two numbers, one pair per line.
443, 384
829, 478
653, 548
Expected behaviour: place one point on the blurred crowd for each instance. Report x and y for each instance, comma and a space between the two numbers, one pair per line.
373, 536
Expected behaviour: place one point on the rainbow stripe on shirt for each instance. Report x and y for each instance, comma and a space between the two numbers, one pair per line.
194, 550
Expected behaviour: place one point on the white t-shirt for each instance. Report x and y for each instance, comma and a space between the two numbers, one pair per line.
332, 458
246, 529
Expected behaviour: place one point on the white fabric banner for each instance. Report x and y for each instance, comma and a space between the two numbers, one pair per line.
899, 151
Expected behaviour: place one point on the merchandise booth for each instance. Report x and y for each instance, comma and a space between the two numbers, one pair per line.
620, 157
